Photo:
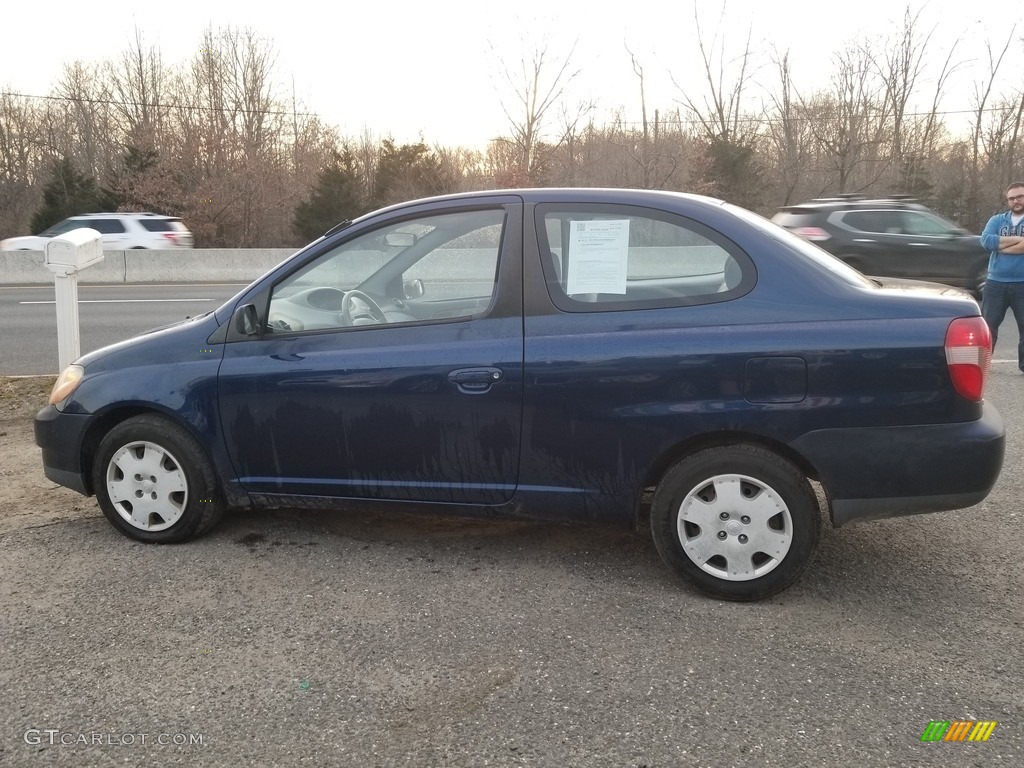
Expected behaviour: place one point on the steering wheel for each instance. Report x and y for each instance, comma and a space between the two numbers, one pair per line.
351, 311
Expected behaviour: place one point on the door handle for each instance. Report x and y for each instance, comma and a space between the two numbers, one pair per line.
475, 380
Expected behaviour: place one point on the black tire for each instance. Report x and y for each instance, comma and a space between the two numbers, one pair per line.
978, 289
766, 539
173, 494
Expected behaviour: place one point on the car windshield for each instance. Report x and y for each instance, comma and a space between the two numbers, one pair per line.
65, 226
805, 247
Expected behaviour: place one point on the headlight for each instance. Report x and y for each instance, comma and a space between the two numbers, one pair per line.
67, 383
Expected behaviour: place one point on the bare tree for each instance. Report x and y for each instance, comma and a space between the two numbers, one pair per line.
538, 83
656, 165
140, 89
82, 124
899, 68
982, 93
22, 160
849, 123
721, 116
788, 138
730, 164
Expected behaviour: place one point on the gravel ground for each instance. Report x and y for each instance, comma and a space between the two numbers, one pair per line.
298, 638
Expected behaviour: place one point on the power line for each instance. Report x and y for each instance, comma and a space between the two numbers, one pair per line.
677, 119
160, 105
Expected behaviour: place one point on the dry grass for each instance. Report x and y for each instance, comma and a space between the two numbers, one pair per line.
22, 396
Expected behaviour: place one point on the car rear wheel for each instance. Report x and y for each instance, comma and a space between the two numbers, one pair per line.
738, 522
154, 482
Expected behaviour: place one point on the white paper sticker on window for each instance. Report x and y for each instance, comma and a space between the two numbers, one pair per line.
598, 251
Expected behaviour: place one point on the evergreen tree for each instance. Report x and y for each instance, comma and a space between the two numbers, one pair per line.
405, 172
337, 195
68, 193
128, 184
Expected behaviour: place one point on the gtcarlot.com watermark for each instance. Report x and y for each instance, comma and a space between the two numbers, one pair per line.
58, 738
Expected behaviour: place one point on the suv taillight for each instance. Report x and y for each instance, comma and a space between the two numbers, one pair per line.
969, 356
814, 234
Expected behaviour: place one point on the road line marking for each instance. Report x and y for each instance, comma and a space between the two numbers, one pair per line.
98, 286
116, 301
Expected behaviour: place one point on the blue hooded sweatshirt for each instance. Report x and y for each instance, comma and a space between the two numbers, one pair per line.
1003, 267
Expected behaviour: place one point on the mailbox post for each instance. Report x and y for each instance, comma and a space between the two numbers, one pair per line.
65, 255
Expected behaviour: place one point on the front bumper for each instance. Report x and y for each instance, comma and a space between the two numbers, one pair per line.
907, 470
61, 435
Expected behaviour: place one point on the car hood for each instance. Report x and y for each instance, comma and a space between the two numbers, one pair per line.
26, 243
163, 345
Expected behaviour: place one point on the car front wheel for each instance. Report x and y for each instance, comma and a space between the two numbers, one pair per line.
154, 481
738, 522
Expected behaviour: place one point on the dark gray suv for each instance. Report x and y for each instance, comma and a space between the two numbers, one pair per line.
891, 237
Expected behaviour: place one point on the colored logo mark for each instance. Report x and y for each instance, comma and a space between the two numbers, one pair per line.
958, 730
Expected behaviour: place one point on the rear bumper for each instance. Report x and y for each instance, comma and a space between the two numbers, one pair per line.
60, 435
907, 470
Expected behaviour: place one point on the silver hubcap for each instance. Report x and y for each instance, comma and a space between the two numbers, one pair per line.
735, 527
147, 486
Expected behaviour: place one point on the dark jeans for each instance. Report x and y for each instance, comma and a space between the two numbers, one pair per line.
995, 300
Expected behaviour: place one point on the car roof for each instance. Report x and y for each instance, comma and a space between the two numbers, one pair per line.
122, 214
621, 196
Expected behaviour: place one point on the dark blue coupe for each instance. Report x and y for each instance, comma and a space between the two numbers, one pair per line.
614, 356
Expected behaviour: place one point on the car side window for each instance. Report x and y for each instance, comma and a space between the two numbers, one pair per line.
887, 222
610, 258
105, 226
923, 224
426, 269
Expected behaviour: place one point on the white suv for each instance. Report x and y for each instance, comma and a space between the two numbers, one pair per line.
121, 232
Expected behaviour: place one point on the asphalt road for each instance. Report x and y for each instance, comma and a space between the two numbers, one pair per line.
107, 314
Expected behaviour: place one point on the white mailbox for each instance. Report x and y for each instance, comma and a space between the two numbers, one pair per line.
73, 251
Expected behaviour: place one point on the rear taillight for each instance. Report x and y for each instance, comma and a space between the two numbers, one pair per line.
172, 237
969, 356
814, 234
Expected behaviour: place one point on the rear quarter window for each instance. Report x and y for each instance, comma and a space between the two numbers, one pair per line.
603, 257
162, 225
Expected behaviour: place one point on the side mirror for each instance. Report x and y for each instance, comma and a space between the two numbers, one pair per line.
247, 321
413, 289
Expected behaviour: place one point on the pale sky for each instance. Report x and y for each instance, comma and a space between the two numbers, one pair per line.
408, 69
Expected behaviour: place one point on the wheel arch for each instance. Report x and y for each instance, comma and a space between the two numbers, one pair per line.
685, 448
110, 419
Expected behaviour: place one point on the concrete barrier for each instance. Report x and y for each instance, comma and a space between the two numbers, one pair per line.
206, 265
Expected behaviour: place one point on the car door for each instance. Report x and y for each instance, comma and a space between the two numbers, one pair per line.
939, 250
388, 365
911, 244
877, 243
115, 237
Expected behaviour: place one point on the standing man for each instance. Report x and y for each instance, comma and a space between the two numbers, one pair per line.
1003, 238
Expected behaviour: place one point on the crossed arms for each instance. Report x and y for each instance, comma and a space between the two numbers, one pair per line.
1011, 244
